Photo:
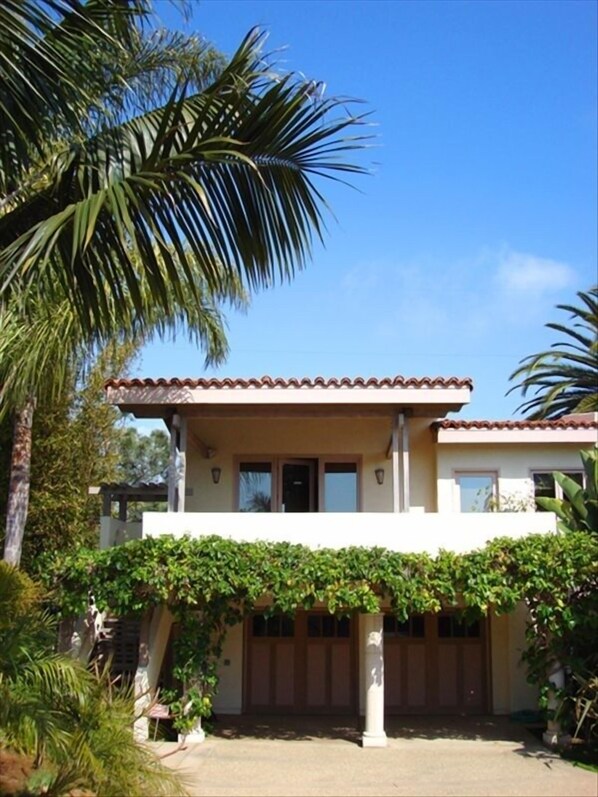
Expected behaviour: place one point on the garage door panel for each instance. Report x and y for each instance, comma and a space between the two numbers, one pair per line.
473, 683
416, 676
316, 676
340, 675
448, 690
260, 674
392, 674
284, 689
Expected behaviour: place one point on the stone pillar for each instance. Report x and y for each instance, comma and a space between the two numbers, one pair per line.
374, 735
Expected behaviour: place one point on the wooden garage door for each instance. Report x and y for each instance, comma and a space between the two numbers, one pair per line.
434, 664
300, 665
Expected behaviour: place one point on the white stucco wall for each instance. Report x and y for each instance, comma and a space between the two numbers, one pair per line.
513, 464
229, 699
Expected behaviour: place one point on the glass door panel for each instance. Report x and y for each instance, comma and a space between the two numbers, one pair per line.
297, 486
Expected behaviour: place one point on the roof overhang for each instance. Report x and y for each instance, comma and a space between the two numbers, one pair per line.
429, 397
582, 436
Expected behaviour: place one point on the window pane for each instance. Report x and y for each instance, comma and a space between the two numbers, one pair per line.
544, 487
259, 625
417, 626
287, 626
577, 477
343, 627
445, 629
314, 627
255, 487
390, 623
476, 492
328, 623
340, 487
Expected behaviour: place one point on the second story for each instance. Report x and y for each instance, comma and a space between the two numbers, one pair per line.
369, 460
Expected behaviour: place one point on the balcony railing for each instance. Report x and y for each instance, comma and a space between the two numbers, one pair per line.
414, 532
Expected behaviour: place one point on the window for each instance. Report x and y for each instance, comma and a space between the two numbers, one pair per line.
328, 626
476, 491
340, 487
278, 625
413, 627
255, 487
450, 627
545, 485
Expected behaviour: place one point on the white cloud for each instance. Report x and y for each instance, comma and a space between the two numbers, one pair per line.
522, 273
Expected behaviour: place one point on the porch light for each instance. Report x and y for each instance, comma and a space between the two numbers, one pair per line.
216, 475
379, 475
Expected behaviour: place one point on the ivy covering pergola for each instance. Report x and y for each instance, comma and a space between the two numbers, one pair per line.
211, 583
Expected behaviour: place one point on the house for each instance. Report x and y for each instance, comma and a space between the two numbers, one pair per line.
375, 462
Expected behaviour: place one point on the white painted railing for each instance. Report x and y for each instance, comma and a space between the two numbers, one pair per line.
409, 532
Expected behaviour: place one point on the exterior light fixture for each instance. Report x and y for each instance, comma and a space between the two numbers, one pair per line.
216, 475
379, 475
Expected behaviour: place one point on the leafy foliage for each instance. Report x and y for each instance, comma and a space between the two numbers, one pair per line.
142, 458
565, 378
211, 583
75, 445
130, 164
73, 722
578, 511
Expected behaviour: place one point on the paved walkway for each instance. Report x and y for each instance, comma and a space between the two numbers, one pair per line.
481, 757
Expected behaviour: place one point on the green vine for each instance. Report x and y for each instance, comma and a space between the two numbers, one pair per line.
212, 583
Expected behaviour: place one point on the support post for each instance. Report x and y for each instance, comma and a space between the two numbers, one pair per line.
172, 464
374, 734
182, 468
153, 639
396, 497
553, 736
404, 461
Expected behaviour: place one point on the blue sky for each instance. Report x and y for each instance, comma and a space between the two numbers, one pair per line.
480, 212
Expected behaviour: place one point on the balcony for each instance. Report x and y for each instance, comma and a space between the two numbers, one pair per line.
414, 532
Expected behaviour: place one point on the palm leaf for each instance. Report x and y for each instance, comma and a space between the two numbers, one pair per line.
225, 175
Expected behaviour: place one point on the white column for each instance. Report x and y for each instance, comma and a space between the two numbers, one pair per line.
374, 735
404, 457
396, 493
153, 639
553, 736
182, 466
172, 463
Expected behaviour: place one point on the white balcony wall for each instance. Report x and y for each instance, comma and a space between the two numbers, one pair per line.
413, 532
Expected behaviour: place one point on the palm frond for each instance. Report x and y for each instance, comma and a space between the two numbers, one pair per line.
565, 378
226, 175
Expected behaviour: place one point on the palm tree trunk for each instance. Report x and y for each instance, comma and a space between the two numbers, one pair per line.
18, 487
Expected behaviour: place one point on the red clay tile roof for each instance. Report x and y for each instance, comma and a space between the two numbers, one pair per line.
562, 423
278, 382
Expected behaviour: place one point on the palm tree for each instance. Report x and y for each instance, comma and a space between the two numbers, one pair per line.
91, 188
566, 377
72, 721
42, 344
134, 182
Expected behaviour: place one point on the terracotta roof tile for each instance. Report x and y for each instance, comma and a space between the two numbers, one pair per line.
269, 382
562, 423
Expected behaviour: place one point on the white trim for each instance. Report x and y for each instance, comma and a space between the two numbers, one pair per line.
517, 436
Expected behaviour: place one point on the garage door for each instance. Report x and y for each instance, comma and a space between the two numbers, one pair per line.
434, 664
300, 665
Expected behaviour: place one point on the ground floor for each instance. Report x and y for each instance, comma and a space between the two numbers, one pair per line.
271, 755
361, 665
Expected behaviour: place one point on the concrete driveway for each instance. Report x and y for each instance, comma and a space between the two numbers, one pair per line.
425, 756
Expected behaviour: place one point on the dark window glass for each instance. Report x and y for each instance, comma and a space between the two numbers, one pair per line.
287, 626
459, 628
313, 625
343, 627
417, 626
328, 625
473, 629
255, 487
259, 625
403, 628
444, 626
544, 487
274, 626
389, 624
